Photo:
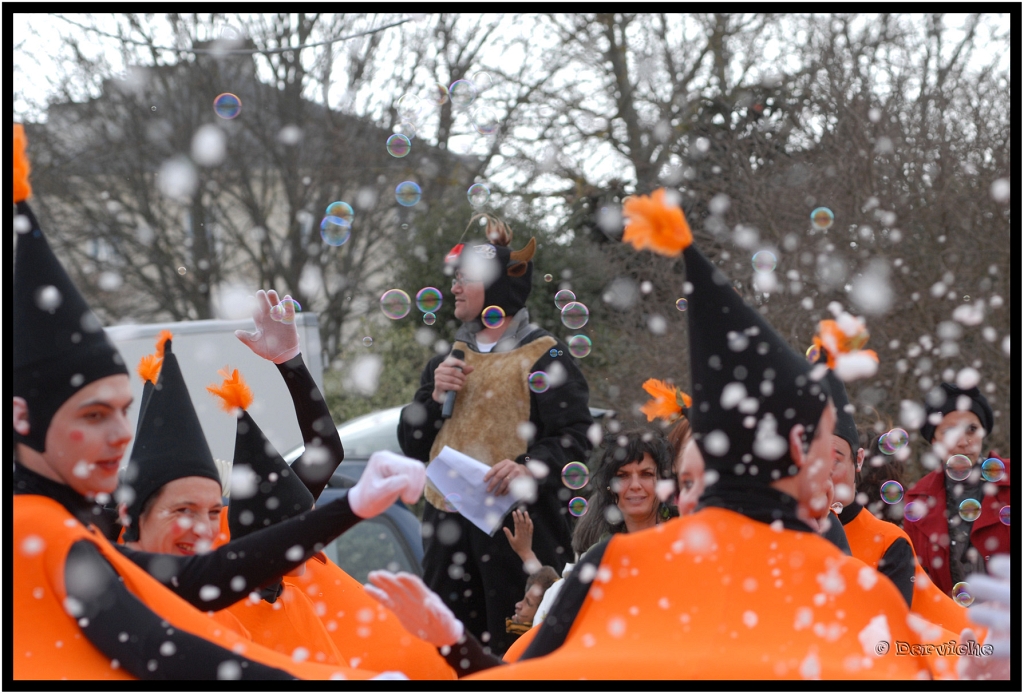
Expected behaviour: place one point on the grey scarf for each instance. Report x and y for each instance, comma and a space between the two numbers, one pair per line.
519, 327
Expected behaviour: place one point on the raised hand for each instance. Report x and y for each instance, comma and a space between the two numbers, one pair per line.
418, 608
276, 340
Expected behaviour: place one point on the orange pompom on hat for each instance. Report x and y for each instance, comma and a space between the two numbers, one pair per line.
22, 188
669, 403
655, 222
841, 342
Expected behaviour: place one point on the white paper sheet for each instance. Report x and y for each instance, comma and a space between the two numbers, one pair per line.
461, 480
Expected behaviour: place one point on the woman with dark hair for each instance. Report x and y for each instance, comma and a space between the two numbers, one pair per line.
625, 499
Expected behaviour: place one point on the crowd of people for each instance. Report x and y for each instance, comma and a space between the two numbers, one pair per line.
733, 540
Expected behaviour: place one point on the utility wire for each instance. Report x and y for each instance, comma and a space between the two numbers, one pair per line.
220, 51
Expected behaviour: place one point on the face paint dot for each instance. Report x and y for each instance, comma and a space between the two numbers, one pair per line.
76, 435
493, 317
822, 218
539, 382
580, 346
575, 475
891, 492
958, 468
395, 304
993, 470
577, 506
226, 106
575, 315
399, 145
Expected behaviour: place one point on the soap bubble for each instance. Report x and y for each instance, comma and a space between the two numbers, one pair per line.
575, 315
493, 316
399, 146
970, 509
462, 93
335, 231
395, 304
548, 278
764, 261
892, 492
429, 318
452, 502
575, 475
1004, 515
897, 439
579, 346
915, 511
367, 341
813, 354
993, 470
182, 271
227, 106
478, 194
822, 218
958, 468
341, 210
485, 121
682, 304
407, 193
538, 381
428, 299
563, 297
962, 594
577, 506
410, 107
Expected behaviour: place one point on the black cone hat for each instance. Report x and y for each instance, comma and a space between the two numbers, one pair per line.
278, 495
59, 343
170, 443
846, 427
750, 388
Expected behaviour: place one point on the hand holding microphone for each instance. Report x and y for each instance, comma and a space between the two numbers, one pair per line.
449, 378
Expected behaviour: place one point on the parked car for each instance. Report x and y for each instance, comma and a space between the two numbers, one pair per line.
391, 540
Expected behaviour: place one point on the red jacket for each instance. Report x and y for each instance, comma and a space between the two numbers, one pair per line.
930, 535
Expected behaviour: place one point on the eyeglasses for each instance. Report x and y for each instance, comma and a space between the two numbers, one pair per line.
462, 281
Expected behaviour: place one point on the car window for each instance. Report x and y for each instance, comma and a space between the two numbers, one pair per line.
371, 545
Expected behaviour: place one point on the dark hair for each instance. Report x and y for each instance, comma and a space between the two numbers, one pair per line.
614, 454
878, 469
544, 577
132, 533
678, 435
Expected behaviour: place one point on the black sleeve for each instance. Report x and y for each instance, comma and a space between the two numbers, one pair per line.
220, 578
124, 629
319, 433
562, 417
898, 564
836, 534
469, 656
421, 419
559, 621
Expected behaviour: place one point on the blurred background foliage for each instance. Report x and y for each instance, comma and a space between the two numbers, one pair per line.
899, 124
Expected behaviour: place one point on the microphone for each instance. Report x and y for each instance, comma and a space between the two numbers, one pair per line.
449, 398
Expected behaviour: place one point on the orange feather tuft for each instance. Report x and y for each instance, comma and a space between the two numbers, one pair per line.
149, 367
22, 188
233, 392
833, 340
656, 224
165, 335
668, 401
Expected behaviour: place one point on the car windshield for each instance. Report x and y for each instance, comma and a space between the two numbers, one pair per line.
373, 432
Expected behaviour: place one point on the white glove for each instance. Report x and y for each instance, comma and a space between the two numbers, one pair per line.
419, 609
992, 604
386, 477
275, 340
